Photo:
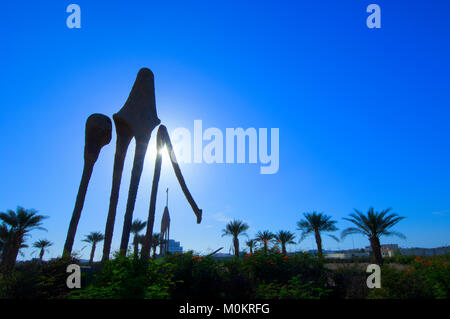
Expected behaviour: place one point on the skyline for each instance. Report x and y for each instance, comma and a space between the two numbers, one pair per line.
362, 114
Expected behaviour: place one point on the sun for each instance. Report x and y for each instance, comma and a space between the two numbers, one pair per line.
165, 156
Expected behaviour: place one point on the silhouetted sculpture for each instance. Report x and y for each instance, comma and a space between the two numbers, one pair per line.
97, 135
163, 139
137, 119
165, 227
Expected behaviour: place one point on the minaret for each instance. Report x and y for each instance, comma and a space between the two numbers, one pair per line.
165, 226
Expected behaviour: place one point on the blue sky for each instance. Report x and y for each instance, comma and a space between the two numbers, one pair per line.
363, 113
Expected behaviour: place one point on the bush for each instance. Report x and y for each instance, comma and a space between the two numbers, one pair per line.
259, 275
349, 282
296, 288
273, 266
400, 259
206, 277
36, 279
425, 278
129, 278
237, 282
196, 276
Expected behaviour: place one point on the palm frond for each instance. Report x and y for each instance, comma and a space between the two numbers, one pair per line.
373, 224
235, 228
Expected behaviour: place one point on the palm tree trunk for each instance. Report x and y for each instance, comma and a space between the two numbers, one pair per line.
7, 259
41, 254
265, 246
92, 253
283, 248
236, 246
319, 243
11, 261
376, 248
136, 246
251, 250
5, 255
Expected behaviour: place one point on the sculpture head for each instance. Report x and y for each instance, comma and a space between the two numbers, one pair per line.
138, 115
97, 134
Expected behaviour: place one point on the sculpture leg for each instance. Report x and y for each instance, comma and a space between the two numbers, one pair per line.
123, 140
179, 175
97, 134
139, 156
151, 213
87, 172
162, 138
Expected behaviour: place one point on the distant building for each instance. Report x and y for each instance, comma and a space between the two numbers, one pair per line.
347, 254
425, 251
174, 246
387, 250
390, 250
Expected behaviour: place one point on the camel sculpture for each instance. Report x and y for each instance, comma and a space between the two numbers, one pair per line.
137, 119
97, 134
165, 227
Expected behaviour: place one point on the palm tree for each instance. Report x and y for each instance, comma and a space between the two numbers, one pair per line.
17, 225
265, 237
157, 240
373, 225
251, 244
6, 236
136, 227
42, 244
235, 228
93, 238
285, 237
317, 223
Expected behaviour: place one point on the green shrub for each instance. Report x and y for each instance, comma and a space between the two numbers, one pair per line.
129, 278
206, 277
236, 281
349, 282
259, 275
36, 279
400, 259
196, 276
273, 266
425, 278
296, 288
